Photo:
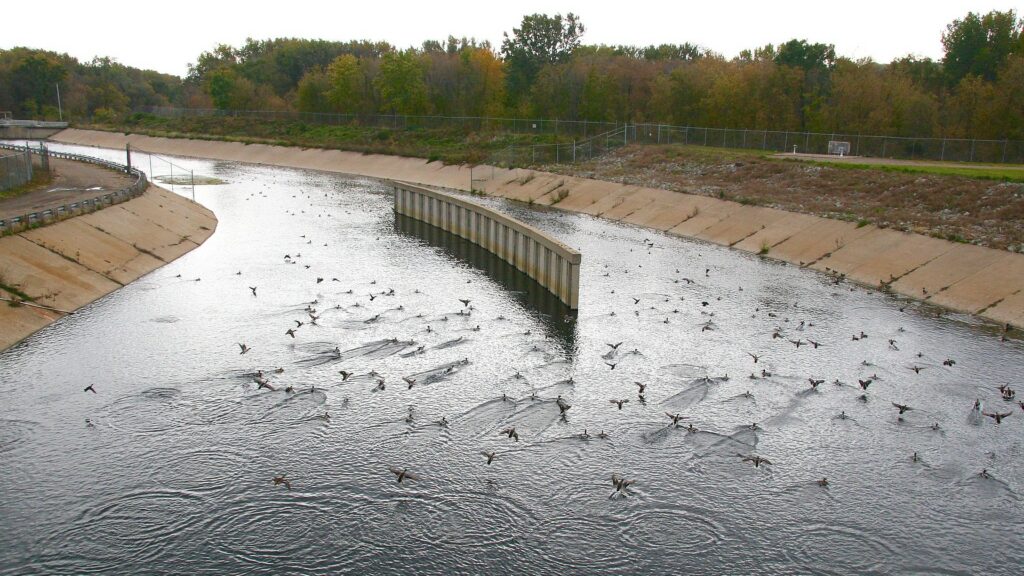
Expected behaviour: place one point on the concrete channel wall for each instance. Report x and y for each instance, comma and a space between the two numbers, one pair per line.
47, 272
552, 264
962, 277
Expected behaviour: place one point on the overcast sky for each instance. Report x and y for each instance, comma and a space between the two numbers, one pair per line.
169, 35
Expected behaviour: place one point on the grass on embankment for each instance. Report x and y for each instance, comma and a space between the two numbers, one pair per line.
1003, 174
451, 145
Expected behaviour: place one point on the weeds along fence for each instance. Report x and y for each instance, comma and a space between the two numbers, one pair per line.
15, 168
577, 132
568, 152
38, 218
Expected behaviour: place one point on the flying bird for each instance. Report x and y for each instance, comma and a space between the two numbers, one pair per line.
998, 417
902, 407
757, 460
403, 474
621, 484
244, 348
89, 388
620, 402
278, 480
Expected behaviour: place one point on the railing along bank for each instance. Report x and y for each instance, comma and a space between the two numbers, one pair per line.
136, 188
550, 263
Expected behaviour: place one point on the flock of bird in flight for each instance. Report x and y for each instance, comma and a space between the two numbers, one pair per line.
619, 483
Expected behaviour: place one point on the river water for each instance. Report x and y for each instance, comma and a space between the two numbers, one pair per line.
168, 467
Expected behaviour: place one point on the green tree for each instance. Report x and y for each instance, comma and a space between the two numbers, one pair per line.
313, 93
540, 40
401, 85
345, 84
817, 62
229, 91
34, 82
979, 45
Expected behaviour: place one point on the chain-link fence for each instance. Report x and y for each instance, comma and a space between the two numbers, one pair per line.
577, 132
15, 168
568, 152
895, 147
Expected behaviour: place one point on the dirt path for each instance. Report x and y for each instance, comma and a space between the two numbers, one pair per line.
72, 182
867, 160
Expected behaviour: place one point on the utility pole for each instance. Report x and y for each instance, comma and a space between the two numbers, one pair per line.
60, 111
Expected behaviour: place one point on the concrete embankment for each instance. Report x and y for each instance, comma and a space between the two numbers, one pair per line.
961, 277
68, 264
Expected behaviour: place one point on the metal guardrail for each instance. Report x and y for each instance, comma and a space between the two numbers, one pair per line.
32, 123
133, 190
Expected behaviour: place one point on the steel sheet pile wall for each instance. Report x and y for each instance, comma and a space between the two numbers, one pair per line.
552, 264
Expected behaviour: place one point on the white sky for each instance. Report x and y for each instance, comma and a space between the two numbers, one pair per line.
169, 35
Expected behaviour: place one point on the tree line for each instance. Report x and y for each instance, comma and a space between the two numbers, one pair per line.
543, 70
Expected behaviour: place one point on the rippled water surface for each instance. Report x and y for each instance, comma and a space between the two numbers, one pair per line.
175, 472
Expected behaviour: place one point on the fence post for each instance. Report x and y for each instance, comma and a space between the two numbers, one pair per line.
942, 156
128, 153
1004, 150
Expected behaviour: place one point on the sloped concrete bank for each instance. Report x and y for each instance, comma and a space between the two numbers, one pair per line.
71, 263
962, 277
